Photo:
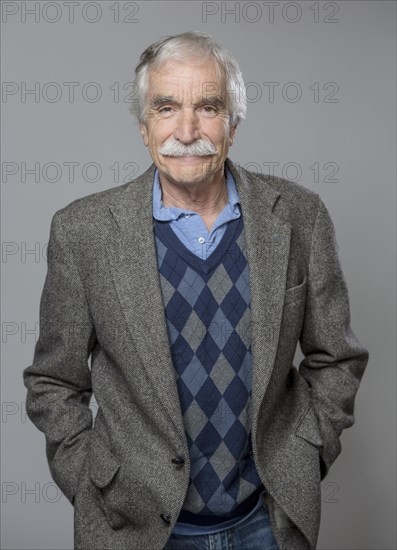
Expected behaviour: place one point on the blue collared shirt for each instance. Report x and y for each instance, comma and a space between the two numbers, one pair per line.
189, 226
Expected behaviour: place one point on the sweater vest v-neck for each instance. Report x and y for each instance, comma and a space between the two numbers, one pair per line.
208, 314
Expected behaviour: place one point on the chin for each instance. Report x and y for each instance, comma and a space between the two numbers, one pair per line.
186, 178
192, 174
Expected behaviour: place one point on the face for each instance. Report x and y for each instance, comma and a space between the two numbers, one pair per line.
187, 102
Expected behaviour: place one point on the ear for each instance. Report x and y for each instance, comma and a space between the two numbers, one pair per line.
144, 133
232, 134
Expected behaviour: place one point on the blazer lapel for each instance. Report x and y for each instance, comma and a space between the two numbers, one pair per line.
132, 256
268, 240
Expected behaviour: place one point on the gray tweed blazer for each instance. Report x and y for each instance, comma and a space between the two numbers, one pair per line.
102, 298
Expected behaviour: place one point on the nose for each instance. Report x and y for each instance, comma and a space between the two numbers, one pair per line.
187, 129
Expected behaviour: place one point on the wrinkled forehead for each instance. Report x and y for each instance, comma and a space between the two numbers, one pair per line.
187, 79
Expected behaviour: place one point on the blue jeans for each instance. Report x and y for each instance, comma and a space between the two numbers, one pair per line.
254, 533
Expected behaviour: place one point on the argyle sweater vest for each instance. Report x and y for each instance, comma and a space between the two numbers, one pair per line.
208, 314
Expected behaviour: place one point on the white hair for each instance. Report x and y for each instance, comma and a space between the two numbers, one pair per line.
186, 46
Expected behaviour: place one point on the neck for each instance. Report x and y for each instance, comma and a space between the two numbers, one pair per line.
207, 198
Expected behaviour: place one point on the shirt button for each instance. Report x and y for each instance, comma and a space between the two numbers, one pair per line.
201, 240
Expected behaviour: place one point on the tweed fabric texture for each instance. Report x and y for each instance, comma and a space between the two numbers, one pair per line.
103, 333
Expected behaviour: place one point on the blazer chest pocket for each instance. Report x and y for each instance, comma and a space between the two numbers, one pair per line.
103, 471
296, 293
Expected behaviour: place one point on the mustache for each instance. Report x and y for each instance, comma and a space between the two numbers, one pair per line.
200, 148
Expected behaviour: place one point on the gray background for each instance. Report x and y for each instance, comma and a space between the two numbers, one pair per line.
353, 128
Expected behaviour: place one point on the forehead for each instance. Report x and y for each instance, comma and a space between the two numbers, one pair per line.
186, 77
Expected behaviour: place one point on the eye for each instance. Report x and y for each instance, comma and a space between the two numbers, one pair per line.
209, 110
165, 111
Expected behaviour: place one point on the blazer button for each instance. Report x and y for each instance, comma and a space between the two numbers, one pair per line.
179, 461
166, 518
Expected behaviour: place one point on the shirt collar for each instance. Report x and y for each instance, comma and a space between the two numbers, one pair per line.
167, 213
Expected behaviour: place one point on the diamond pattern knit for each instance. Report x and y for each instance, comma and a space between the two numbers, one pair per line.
208, 314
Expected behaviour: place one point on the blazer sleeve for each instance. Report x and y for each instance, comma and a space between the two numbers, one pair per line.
334, 360
59, 381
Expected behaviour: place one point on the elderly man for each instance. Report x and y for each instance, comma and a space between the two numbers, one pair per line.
190, 288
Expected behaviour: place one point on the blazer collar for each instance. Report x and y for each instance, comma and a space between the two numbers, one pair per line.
134, 204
